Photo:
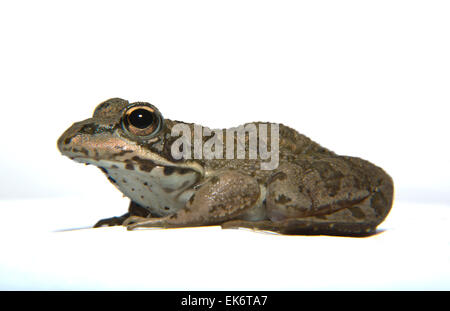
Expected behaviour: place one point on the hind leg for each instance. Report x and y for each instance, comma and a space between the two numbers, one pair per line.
341, 223
333, 196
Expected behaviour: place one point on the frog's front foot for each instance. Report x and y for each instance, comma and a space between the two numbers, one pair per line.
113, 221
134, 210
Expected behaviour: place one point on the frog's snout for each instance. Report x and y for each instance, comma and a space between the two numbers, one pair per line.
93, 140
64, 142
69, 141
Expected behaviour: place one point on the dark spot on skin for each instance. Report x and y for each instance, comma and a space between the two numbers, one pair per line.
182, 171
121, 153
167, 148
129, 166
132, 189
114, 166
166, 208
92, 128
357, 212
333, 186
145, 168
68, 140
168, 190
168, 170
145, 183
142, 196
300, 188
124, 181
144, 164
282, 199
88, 129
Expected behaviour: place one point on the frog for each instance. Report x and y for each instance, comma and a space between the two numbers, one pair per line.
311, 190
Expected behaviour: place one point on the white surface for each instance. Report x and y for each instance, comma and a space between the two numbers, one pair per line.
412, 253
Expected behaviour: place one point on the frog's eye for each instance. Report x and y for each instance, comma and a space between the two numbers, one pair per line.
142, 120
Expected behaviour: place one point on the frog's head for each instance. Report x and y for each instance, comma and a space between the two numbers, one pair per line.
123, 134
131, 143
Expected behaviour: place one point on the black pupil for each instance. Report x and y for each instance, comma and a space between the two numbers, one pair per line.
140, 118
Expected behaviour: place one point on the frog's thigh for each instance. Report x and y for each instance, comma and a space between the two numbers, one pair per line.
332, 196
221, 198
285, 197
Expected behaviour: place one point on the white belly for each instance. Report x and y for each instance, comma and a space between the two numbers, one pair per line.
162, 194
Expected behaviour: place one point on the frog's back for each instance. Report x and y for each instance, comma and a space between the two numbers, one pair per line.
294, 145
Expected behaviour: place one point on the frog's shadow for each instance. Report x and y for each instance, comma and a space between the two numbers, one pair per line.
300, 234
291, 234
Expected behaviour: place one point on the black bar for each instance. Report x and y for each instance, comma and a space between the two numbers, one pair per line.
224, 300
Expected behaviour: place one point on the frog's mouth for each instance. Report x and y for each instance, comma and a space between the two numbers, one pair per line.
138, 164
128, 160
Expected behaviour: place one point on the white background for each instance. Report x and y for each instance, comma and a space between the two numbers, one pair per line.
362, 78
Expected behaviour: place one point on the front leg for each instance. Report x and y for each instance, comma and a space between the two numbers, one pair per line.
223, 197
134, 209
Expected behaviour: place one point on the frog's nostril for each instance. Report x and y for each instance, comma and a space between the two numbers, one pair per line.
67, 140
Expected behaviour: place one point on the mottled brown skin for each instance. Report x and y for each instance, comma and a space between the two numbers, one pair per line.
332, 195
312, 191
